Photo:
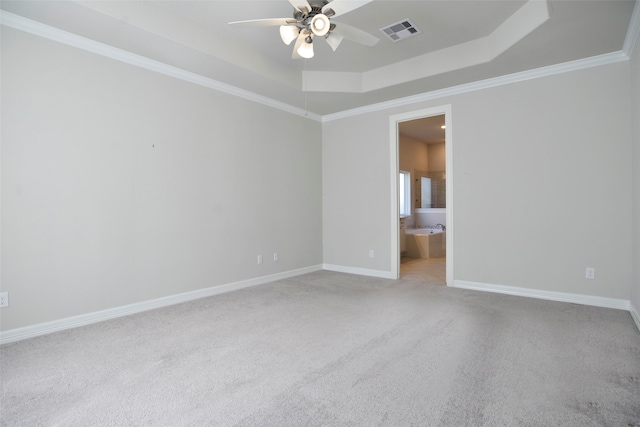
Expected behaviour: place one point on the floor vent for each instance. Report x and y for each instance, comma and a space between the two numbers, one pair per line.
401, 30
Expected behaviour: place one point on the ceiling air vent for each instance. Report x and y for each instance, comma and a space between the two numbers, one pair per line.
401, 30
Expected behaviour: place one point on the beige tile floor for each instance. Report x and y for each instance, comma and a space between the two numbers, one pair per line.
431, 270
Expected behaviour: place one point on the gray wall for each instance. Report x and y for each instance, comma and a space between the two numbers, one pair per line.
355, 192
542, 176
635, 123
121, 185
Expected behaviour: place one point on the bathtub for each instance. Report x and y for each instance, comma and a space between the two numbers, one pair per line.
426, 243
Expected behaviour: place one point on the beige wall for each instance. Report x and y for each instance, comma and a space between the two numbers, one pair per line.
412, 154
542, 188
437, 157
121, 185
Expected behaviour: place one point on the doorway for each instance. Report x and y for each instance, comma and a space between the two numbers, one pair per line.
436, 209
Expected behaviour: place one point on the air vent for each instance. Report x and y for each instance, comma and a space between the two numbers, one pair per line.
401, 30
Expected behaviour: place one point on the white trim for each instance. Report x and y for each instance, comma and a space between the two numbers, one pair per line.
430, 210
51, 33
394, 201
358, 271
36, 28
633, 32
18, 334
635, 315
449, 166
467, 54
619, 304
394, 162
580, 64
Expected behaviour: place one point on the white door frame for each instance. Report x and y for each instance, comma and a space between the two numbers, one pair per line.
395, 170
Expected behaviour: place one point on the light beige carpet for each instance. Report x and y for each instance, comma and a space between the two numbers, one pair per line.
332, 349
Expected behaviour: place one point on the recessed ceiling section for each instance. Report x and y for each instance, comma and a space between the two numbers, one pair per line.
529, 17
456, 43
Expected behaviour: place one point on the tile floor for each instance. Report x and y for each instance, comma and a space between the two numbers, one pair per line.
431, 270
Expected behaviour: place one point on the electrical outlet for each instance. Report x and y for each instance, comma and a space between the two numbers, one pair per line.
259, 259
4, 299
371, 253
590, 273
275, 256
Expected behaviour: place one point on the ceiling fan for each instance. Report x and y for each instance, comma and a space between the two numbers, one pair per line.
311, 19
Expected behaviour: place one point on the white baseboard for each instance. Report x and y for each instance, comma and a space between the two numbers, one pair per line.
619, 304
18, 334
360, 271
635, 315
125, 310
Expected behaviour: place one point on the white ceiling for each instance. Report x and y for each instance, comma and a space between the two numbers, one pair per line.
461, 42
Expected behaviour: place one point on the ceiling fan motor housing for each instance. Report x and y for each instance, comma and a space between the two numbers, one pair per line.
314, 19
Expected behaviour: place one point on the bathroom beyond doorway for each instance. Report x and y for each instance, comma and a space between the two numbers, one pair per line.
422, 160
399, 224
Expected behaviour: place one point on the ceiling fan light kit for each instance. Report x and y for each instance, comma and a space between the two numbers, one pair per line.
288, 33
334, 40
306, 51
305, 44
313, 18
320, 25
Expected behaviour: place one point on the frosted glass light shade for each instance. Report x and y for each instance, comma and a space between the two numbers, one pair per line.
320, 25
288, 33
306, 50
334, 40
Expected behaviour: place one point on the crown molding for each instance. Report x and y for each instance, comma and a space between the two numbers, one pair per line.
70, 39
633, 33
474, 52
580, 64
36, 28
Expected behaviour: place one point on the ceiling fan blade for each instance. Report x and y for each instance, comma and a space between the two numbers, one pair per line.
340, 7
354, 34
334, 40
299, 41
300, 5
264, 22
